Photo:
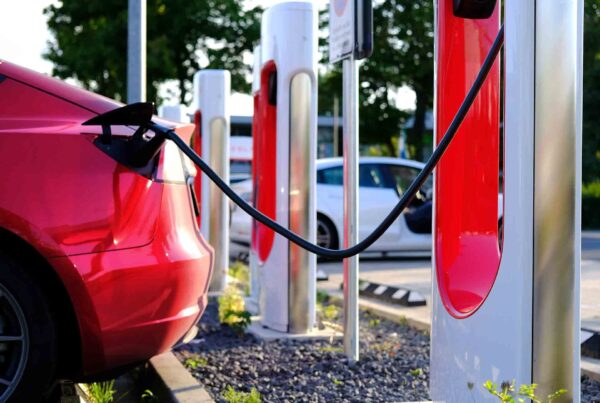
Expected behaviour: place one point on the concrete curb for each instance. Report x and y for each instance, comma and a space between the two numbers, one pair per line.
175, 383
591, 368
391, 294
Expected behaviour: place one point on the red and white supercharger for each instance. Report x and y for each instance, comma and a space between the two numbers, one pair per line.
506, 294
212, 92
285, 137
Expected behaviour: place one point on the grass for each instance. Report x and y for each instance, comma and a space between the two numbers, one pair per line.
102, 392
195, 361
331, 349
233, 396
149, 396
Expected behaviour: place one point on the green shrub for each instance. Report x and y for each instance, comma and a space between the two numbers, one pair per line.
233, 396
232, 310
241, 273
590, 205
322, 297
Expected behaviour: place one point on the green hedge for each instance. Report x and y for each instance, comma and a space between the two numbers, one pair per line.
590, 205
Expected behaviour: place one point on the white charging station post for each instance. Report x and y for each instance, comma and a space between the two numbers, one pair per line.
252, 300
284, 158
212, 89
510, 312
350, 39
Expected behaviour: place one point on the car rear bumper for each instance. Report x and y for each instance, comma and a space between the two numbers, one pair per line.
132, 304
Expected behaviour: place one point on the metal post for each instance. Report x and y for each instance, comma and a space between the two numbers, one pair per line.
350, 105
136, 51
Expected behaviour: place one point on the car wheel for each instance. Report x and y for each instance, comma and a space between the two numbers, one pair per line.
28, 345
326, 234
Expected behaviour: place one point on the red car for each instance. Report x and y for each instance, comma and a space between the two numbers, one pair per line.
101, 266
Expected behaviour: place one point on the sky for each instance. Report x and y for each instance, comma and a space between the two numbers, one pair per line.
24, 35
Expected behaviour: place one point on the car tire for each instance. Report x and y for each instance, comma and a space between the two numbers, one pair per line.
28, 342
327, 236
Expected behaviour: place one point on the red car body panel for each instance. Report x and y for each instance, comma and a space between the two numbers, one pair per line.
126, 247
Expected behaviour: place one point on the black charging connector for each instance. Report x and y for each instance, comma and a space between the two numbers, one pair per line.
137, 152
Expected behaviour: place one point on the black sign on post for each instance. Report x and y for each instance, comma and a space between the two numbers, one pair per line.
350, 29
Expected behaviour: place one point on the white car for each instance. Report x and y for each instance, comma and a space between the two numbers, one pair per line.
382, 181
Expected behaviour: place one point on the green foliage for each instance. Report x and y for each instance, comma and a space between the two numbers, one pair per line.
508, 394
322, 297
149, 396
195, 361
403, 56
233, 396
241, 272
232, 310
328, 312
590, 205
591, 92
373, 323
416, 372
102, 392
90, 42
331, 349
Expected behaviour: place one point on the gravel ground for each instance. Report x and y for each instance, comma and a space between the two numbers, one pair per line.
394, 365
590, 390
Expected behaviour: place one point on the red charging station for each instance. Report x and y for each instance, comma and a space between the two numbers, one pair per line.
508, 310
284, 176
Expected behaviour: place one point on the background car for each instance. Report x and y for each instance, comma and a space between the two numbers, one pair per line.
101, 265
382, 183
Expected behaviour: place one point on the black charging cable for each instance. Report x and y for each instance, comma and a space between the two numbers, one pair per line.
396, 211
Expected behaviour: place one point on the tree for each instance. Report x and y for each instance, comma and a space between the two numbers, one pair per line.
403, 56
182, 36
591, 92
